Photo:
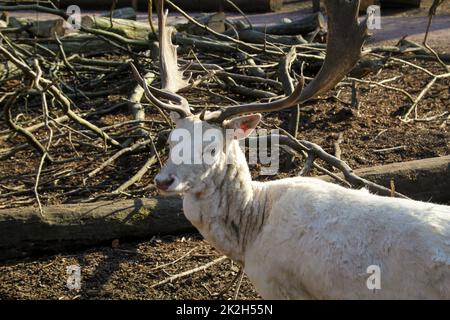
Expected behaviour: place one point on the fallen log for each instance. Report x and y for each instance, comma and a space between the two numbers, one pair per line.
244, 5
192, 5
301, 26
80, 44
127, 28
187, 42
40, 28
253, 36
214, 21
24, 232
422, 52
122, 13
366, 66
425, 180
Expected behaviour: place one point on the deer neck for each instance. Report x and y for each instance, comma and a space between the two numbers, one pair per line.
231, 211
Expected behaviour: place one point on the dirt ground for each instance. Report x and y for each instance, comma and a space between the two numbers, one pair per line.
128, 271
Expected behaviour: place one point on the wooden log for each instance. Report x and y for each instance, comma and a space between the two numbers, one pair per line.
399, 4
187, 42
81, 44
122, 13
252, 36
219, 5
421, 52
366, 66
426, 179
252, 68
24, 232
193, 5
302, 26
40, 28
214, 21
127, 28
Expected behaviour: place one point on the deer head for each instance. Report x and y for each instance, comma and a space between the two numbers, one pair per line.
216, 142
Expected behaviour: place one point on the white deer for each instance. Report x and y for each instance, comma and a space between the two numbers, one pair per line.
303, 238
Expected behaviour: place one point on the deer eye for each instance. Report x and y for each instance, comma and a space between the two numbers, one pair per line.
213, 152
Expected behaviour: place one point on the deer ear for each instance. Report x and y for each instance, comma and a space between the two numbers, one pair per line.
243, 126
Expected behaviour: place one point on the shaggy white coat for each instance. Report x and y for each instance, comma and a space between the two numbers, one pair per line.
303, 238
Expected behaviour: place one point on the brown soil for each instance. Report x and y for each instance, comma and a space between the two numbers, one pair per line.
126, 272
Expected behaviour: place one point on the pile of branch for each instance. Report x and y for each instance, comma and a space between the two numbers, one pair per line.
60, 86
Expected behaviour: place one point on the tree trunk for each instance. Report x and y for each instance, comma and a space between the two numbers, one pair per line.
122, 13
217, 5
252, 36
425, 180
302, 26
127, 28
24, 232
215, 21
193, 5
81, 43
40, 28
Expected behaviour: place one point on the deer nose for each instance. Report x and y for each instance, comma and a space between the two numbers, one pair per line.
164, 184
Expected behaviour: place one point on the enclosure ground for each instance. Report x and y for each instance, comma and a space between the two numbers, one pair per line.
126, 272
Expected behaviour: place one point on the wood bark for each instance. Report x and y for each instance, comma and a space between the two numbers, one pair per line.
302, 26
258, 37
218, 5
127, 28
214, 21
40, 28
122, 13
425, 180
82, 44
24, 232
193, 5
250, 6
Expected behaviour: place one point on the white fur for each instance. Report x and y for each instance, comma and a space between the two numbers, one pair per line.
303, 238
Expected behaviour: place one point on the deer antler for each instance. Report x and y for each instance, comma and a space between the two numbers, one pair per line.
345, 39
182, 106
171, 77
